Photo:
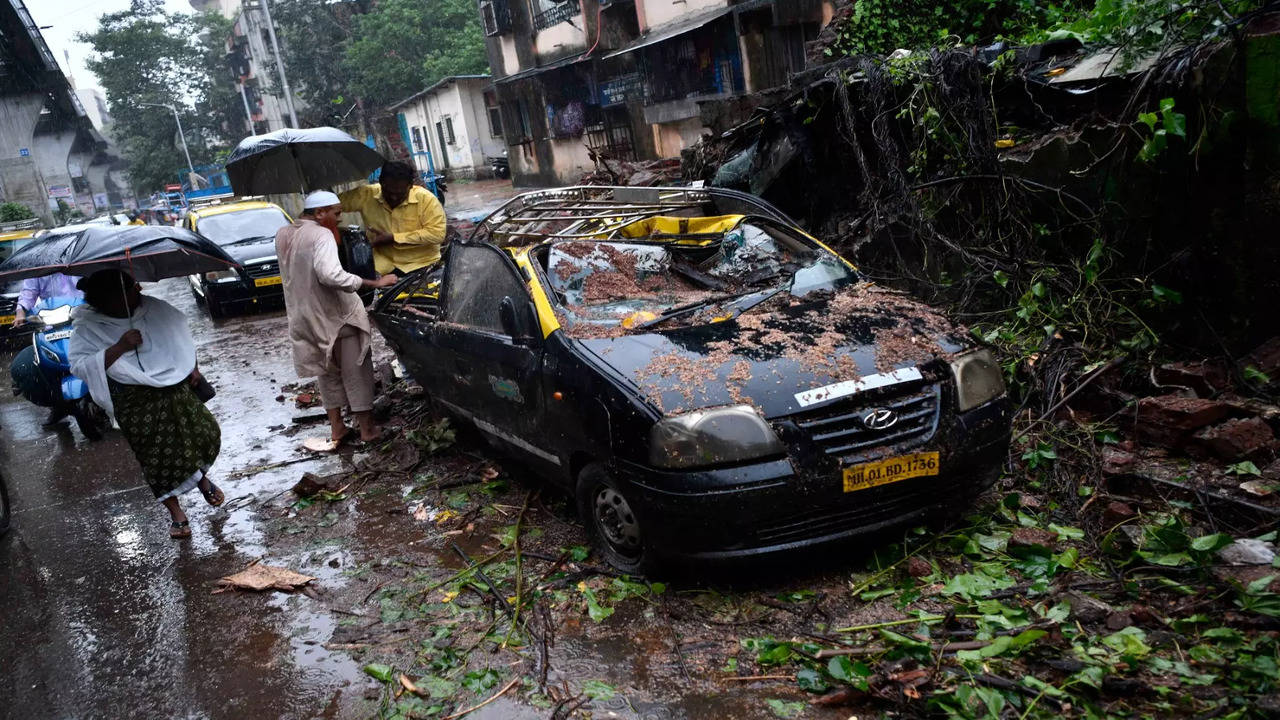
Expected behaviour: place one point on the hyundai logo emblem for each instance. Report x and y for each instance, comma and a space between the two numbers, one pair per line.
880, 419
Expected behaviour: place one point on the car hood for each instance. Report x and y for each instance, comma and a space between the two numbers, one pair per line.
265, 248
785, 359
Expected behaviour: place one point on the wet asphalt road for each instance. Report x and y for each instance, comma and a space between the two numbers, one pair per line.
105, 616
102, 615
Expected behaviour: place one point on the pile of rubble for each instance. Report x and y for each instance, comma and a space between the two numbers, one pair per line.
665, 171
1202, 417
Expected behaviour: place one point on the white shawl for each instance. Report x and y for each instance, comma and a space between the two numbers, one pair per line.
166, 357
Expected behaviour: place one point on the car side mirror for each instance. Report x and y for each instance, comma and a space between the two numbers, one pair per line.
513, 323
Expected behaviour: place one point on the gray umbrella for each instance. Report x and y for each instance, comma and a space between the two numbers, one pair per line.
291, 160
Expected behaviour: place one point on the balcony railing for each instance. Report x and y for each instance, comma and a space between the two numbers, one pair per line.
554, 15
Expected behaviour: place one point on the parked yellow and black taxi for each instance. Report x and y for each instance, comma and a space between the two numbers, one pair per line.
247, 231
708, 380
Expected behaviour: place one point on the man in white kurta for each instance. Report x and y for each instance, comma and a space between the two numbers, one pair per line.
328, 326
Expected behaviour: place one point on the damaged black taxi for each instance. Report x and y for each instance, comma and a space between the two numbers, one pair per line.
706, 379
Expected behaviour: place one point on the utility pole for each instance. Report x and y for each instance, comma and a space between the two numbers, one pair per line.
190, 168
248, 114
275, 47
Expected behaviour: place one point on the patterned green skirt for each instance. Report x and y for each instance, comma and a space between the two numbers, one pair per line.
173, 435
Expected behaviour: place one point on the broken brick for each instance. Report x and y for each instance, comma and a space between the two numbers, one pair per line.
1117, 512
1145, 615
918, 567
1169, 420
1032, 537
1236, 440
1205, 378
309, 485
1116, 461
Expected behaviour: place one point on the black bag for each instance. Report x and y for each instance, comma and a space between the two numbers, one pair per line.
356, 253
204, 389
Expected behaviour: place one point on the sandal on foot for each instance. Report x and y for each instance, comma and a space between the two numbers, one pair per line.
361, 444
213, 495
179, 530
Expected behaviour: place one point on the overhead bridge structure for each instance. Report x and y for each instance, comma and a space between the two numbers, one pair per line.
49, 147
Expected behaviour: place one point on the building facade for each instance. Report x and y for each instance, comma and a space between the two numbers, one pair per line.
579, 80
452, 127
252, 61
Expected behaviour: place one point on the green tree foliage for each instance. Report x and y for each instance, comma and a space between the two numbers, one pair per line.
881, 26
314, 35
401, 46
147, 55
12, 212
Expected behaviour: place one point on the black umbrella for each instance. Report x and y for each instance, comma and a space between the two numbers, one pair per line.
290, 160
147, 252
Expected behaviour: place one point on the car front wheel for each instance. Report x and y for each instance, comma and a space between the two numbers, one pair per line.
216, 310
609, 513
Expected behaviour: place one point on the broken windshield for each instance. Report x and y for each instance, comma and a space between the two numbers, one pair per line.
637, 283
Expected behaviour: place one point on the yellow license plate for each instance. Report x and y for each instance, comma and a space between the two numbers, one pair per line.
263, 282
890, 470
7, 319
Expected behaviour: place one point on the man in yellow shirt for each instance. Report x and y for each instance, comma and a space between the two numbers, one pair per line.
405, 222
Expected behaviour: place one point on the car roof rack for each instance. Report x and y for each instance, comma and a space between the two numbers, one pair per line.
600, 211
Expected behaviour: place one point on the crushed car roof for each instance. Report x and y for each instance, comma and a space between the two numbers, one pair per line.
619, 213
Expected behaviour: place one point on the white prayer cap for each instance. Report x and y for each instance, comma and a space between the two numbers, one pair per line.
320, 199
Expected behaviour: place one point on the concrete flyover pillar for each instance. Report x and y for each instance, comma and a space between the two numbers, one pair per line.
20, 179
52, 151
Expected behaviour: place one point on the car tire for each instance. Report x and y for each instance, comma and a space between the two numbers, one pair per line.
608, 511
216, 310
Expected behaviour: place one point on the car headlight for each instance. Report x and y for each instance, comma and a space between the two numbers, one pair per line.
978, 378
710, 437
221, 276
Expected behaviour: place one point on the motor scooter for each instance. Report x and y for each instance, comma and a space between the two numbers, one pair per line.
500, 166
41, 373
436, 183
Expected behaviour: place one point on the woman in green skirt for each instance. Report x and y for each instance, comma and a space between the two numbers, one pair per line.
137, 357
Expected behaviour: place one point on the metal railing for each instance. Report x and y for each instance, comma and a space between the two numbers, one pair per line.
554, 15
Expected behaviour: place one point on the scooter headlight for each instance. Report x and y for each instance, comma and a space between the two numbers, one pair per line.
711, 437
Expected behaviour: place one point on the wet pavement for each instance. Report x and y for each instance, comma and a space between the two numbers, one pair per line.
105, 615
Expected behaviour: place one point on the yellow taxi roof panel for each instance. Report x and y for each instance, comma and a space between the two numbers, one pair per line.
234, 207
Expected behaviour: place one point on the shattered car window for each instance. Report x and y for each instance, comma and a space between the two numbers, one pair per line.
477, 281
629, 283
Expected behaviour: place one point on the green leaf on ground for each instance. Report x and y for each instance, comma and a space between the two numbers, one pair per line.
598, 690
477, 681
378, 671
784, 709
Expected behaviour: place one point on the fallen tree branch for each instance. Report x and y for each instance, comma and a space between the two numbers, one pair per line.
1114, 363
493, 588
473, 708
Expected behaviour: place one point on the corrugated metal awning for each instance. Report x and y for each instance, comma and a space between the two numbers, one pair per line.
673, 30
562, 62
